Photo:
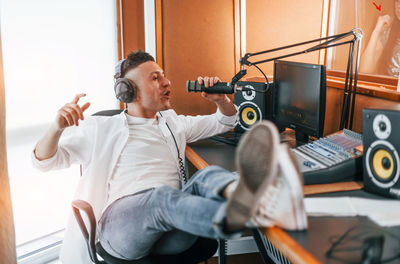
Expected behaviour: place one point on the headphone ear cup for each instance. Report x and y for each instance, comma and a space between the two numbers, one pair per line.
125, 90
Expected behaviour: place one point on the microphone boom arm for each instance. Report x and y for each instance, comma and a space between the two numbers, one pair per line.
329, 42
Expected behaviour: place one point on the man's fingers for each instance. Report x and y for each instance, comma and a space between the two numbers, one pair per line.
73, 109
73, 113
84, 107
206, 81
67, 117
77, 109
70, 113
77, 97
211, 81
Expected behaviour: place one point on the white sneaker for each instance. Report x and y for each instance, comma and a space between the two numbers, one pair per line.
257, 162
282, 204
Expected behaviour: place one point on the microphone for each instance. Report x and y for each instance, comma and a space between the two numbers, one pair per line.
221, 88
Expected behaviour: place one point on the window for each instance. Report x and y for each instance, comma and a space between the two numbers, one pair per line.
51, 51
380, 23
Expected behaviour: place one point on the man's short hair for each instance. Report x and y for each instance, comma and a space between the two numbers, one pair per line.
133, 60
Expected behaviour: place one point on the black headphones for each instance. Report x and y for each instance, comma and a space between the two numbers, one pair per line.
125, 89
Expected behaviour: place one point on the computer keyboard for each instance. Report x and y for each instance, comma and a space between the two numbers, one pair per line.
230, 138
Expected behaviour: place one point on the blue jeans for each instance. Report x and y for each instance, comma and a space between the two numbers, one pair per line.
165, 220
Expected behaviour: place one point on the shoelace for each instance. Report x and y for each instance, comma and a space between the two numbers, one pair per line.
268, 204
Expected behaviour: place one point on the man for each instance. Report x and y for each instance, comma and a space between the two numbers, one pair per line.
132, 171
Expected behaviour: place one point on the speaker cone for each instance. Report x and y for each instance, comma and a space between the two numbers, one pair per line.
382, 163
249, 114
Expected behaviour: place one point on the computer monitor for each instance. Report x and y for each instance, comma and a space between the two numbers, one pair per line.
299, 97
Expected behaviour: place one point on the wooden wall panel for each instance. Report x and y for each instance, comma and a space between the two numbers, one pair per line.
272, 24
334, 100
365, 101
133, 25
198, 39
7, 233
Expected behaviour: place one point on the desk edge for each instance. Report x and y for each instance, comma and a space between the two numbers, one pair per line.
274, 234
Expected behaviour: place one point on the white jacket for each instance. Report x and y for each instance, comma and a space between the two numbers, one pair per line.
97, 143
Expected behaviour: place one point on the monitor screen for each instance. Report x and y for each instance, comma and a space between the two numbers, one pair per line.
299, 97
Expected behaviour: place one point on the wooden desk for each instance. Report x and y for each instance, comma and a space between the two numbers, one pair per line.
200, 156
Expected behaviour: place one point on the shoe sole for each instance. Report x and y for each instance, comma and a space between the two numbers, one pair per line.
255, 174
295, 181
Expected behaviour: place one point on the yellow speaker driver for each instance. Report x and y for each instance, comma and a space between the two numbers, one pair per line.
249, 116
382, 163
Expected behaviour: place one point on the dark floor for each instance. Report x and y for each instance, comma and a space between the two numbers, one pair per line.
252, 258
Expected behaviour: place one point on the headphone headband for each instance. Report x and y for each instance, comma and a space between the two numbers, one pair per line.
118, 69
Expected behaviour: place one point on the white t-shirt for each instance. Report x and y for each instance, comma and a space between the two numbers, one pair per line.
145, 162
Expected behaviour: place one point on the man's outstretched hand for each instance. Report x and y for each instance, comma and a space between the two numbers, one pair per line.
70, 113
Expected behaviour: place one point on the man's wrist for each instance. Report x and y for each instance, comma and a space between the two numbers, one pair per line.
223, 101
56, 130
226, 107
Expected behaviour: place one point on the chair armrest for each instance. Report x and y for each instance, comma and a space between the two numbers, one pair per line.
77, 207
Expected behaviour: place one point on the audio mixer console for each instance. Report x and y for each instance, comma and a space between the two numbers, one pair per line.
337, 157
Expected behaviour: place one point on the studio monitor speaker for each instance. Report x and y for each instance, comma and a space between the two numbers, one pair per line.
381, 140
253, 105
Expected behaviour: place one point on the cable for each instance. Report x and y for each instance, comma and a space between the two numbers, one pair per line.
182, 170
265, 76
266, 83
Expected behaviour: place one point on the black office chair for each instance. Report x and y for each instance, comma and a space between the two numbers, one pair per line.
201, 250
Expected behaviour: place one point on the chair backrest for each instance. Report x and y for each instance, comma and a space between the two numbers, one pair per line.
108, 112
90, 236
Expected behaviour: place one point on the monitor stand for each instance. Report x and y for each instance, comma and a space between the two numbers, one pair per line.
301, 138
